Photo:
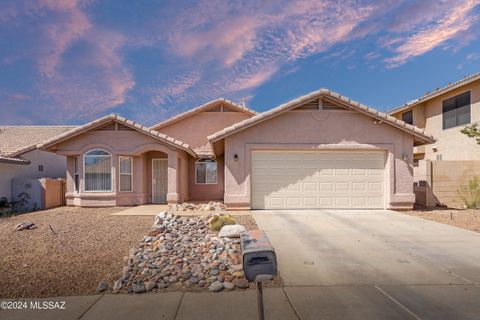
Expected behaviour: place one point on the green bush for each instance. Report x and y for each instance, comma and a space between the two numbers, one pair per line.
470, 193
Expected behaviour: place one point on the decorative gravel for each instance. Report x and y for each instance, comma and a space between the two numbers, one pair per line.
83, 247
467, 219
182, 253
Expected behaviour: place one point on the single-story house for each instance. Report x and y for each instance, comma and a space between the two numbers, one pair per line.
20, 158
321, 150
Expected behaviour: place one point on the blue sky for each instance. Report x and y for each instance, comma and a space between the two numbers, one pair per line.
72, 61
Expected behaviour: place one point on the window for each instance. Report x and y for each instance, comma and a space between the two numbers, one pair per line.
408, 117
40, 168
125, 174
76, 176
98, 171
456, 110
206, 171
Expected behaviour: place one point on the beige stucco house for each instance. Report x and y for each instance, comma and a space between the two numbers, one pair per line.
443, 167
321, 150
443, 113
20, 158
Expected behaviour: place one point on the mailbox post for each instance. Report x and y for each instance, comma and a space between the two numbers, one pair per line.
259, 261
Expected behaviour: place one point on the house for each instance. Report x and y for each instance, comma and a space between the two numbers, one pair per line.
443, 167
321, 150
20, 158
443, 113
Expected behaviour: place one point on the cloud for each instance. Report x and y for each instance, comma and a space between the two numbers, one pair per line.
81, 67
174, 89
447, 27
254, 41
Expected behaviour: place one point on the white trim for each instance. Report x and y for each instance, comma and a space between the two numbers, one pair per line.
111, 175
216, 169
152, 178
125, 174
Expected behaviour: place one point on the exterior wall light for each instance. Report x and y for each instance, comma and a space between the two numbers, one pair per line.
235, 157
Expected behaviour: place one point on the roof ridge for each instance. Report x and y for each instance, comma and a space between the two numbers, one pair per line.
318, 93
206, 105
115, 117
438, 91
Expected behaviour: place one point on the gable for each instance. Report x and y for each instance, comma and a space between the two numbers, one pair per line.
337, 101
111, 131
215, 106
195, 128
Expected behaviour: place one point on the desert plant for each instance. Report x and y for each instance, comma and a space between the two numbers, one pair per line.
217, 222
470, 193
472, 131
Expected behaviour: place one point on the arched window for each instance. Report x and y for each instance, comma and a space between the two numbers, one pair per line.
98, 171
206, 171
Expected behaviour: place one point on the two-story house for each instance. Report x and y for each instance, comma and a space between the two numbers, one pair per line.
444, 166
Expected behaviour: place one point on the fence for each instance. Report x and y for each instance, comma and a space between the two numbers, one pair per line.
41, 193
438, 182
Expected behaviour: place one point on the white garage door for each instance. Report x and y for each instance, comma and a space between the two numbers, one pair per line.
317, 179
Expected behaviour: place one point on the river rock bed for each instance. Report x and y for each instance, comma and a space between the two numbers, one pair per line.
182, 253
188, 206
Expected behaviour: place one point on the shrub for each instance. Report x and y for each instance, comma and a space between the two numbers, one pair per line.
470, 193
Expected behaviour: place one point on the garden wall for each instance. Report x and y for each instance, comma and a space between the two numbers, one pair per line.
438, 182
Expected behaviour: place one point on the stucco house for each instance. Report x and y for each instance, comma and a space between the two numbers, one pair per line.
444, 167
321, 150
443, 113
20, 158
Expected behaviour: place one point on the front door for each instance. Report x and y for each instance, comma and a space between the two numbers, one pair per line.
159, 180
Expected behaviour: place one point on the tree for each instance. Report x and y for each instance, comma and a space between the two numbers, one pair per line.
472, 131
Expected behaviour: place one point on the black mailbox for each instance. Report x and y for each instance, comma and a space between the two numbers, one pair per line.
259, 259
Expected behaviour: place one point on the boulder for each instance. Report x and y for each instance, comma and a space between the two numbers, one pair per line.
217, 222
231, 231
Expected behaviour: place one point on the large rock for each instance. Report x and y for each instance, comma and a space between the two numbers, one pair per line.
231, 231
217, 222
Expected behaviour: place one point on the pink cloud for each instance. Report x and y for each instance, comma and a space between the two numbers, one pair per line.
173, 89
448, 27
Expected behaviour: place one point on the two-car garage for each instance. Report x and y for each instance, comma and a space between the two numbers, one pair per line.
319, 151
285, 179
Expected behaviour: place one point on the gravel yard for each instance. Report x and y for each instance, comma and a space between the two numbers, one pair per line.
86, 246
467, 219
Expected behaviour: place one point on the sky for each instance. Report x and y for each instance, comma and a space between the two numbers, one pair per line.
72, 61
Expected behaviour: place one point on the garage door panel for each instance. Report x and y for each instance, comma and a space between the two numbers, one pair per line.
317, 180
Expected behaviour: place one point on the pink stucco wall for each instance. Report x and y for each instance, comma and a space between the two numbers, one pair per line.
340, 130
195, 129
199, 192
124, 143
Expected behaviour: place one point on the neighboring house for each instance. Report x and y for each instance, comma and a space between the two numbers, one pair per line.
442, 168
20, 159
321, 150
443, 113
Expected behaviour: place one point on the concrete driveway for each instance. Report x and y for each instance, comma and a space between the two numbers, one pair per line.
374, 264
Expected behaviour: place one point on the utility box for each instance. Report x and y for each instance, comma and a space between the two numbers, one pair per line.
259, 258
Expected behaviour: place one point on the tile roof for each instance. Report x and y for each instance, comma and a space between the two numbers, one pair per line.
129, 123
13, 160
203, 107
435, 93
381, 116
16, 140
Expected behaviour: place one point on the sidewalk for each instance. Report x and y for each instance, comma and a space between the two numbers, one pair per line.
371, 302
168, 306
